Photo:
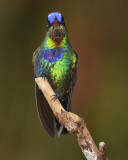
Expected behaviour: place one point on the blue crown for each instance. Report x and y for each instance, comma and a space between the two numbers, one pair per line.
51, 17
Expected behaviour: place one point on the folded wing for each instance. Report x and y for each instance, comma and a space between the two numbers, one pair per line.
45, 113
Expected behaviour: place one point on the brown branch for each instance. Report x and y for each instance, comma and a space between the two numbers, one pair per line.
73, 124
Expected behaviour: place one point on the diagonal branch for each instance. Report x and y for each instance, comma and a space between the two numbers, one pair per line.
73, 124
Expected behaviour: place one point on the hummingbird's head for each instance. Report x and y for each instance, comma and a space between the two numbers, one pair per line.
56, 27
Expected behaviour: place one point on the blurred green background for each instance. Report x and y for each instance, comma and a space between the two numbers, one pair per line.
98, 32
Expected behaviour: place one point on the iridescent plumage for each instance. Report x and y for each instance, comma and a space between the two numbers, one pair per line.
56, 60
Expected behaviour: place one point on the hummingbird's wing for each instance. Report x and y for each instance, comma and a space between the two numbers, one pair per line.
45, 113
74, 72
73, 77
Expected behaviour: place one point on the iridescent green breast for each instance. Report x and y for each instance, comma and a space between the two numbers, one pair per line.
61, 72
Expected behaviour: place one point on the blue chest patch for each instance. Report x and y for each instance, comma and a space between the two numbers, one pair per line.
53, 55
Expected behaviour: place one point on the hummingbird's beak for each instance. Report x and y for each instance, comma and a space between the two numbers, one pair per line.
56, 23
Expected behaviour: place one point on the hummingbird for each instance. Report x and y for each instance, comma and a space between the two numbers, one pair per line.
56, 60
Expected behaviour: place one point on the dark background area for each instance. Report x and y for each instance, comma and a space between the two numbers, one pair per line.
98, 32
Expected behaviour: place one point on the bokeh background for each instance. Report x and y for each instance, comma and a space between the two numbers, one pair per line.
98, 32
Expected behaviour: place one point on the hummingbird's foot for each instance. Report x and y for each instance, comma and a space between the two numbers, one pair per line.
54, 97
44, 76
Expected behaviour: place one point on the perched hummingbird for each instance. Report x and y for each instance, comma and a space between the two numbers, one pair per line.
56, 60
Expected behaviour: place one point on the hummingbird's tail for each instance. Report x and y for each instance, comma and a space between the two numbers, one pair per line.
45, 113
60, 128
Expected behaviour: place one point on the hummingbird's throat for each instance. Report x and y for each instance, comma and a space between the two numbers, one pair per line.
57, 35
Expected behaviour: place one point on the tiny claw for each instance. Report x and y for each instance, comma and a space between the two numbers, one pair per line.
54, 97
44, 77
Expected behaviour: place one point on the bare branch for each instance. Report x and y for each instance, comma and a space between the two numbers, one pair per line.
73, 124
102, 148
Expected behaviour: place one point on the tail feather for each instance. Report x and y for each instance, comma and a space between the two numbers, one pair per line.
45, 113
60, 128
